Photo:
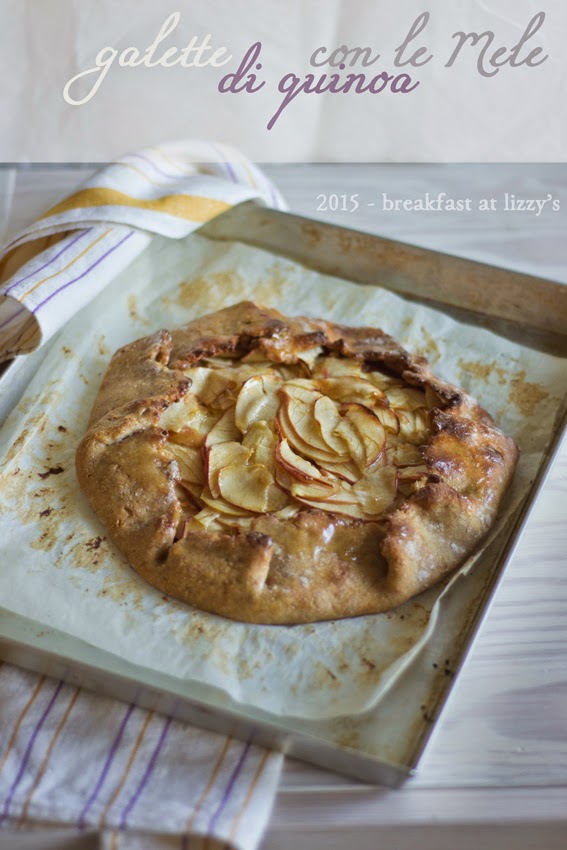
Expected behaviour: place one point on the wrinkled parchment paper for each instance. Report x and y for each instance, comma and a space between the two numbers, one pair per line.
59, 568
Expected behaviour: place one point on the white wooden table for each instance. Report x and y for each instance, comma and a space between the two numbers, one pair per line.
495, 771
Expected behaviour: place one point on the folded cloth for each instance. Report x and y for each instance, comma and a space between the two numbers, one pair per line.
68, 757
61, 261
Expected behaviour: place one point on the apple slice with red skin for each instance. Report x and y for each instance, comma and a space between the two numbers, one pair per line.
297, 466
287, 429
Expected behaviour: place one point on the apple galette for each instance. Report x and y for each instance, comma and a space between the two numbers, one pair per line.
288, 470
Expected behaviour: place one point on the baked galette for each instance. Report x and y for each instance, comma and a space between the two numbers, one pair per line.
288, 470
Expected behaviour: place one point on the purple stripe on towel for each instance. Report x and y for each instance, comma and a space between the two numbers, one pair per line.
147, 773
90, 268
228, 789
27, 752
52, 260
106, 767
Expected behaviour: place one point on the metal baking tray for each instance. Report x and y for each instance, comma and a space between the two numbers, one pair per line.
383, 745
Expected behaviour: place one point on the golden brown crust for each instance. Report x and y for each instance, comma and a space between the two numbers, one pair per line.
297, 570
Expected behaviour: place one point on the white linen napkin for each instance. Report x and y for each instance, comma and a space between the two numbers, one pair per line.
70, 759
61, 261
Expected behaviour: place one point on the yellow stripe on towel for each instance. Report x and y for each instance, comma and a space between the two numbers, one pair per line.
190, 207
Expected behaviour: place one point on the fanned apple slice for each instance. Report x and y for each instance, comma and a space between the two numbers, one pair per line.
380, 379
413, 473
387, 416
251, 488
317, 490
257, 399
288, 431
404, 454
370, 430
336, 367
218, 388
188, 421
347, 471
220, 455
299, 406
309, 357
367, 499
221, 506
414, 426
288, 512
298, 467
350, 389
376, 490
406, 398
234, 523
224, 430
189, 462
327, 417
262, 443
346, 430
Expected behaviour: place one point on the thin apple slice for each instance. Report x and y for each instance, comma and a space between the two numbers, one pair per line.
327, 417
189, 462
251, 488
348, 471
189, 420
336, 367
288, 431
224, 430
350, 388
387, 417
288, 512
262, 443
376, 490
235, 523
299, 405
380, 380
406, 398
404, 454
317, 490
350, 509
257, 399
221, 506
298, 467
346, 430
220, 455
414, 426
369, 428
413, 473
309, 357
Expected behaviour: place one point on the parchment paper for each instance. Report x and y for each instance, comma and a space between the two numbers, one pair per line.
58, 567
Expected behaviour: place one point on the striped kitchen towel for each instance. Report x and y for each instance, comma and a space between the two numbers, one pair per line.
61, 261
71, 760
143, 780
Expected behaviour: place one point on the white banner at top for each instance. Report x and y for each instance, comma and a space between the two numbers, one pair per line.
304, 80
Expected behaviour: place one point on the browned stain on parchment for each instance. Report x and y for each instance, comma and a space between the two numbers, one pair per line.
525, 394
483, 371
